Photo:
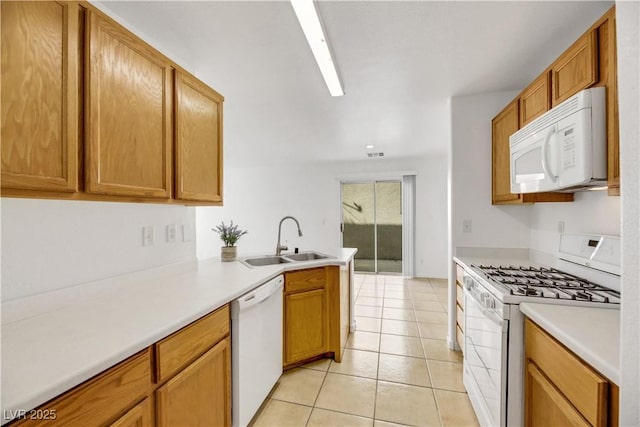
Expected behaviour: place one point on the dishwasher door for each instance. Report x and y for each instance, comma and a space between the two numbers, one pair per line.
256, 348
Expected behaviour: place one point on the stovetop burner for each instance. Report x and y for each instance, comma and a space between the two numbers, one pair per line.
548, 283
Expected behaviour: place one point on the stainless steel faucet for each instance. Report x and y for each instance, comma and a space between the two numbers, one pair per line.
280, 247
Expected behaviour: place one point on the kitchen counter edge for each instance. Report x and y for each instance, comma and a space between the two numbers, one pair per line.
93, 327
593, 334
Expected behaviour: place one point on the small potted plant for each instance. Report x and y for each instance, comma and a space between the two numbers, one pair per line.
229, 235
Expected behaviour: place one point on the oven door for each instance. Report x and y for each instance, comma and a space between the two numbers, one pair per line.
485, 355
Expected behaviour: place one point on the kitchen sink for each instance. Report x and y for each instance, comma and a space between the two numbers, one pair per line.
264, 260
307, 256
259, 261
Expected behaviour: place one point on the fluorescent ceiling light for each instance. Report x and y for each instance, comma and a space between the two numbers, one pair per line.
310, 22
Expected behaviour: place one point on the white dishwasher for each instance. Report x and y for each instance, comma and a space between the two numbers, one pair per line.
256, 344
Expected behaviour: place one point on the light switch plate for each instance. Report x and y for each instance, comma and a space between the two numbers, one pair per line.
466, 226
172, 231
147, 235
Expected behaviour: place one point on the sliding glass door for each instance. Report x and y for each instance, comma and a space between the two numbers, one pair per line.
372, 222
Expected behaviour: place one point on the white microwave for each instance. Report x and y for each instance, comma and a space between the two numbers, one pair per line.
563, 150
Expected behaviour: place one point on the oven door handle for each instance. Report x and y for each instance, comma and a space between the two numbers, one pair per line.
491, 315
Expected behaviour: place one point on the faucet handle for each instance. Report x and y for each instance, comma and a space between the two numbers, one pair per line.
284, 248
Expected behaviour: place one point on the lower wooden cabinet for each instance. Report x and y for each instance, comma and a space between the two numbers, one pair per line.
314, 314
192, 387
140, 415
561, 389
200, 394
306, 325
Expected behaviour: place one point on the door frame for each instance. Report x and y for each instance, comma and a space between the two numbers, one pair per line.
362, 178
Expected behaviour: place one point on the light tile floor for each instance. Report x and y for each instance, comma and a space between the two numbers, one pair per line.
396, 369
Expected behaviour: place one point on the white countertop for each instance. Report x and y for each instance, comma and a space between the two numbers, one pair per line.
55, 341
591, 333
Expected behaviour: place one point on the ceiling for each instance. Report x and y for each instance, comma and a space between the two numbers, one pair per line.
400, 63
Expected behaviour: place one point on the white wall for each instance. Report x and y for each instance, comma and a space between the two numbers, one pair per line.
257, 197
590, 212
628, 36
51, 244
492, 226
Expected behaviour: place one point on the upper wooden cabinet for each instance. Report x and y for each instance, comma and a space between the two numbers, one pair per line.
40, 95
198, 141
92, 112
129, 114
576, 68
590, 61
535, 99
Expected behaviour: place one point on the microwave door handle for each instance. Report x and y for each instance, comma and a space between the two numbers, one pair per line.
545, 162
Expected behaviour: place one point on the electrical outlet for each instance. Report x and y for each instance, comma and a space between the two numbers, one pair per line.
172, 231
186, 233
147, 235
466, 226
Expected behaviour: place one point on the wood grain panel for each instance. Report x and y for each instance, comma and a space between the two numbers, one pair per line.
460, 296
304, 280
200, 395
460, 338
139, 416
575, 69
545, 406
39, 93
582, 386
198, 140
608, 77
502, 127
104, 397
179, 349
129, 118
305, 320
535, 100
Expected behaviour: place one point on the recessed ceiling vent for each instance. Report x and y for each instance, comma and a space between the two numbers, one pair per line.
372, 155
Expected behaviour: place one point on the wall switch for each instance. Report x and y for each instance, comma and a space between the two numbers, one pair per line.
186, 233
172, 231
466, 226
147, 235
560, 227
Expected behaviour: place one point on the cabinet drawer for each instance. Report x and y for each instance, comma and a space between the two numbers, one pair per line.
583, 386
181, 348
304, 280
460, 338
101, 399
459, 275
460, 317
460, 296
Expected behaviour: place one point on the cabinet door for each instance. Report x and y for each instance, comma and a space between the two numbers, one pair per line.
545, 405
535, 99
39, 95
576, 69
200, 395
139, 416
198, 140
502, 127
129, 113
305, 320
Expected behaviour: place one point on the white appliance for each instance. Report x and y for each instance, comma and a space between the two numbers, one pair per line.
565, 149
256, 349
493, 363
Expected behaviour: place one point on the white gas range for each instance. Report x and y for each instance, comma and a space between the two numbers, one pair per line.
586, 273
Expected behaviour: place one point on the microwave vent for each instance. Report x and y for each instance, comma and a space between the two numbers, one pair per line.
372, 155
575, 103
